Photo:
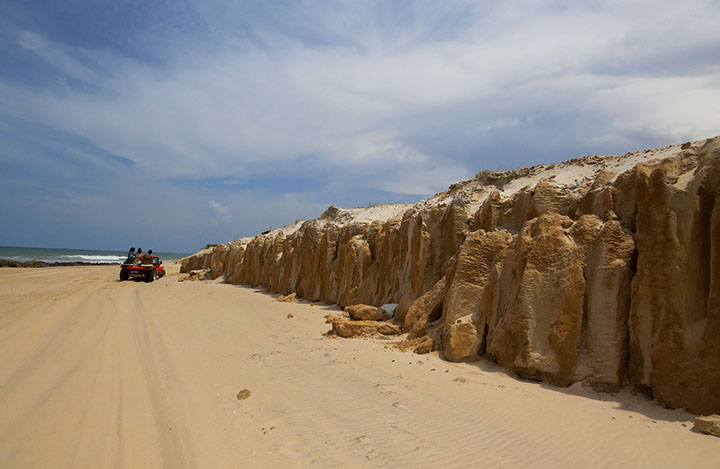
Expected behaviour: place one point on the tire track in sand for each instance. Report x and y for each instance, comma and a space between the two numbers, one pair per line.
90, 388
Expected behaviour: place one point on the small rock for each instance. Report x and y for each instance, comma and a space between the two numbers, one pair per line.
291, 298
329, 318
709, 424
389, 310
290, 315
425, 346
195, 275
244, 394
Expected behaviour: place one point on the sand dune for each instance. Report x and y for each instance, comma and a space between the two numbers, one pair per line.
98, 373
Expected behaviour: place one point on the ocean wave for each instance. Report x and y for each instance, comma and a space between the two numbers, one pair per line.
91, 258
52, 255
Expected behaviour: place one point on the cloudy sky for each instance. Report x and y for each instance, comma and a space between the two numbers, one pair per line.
175, 123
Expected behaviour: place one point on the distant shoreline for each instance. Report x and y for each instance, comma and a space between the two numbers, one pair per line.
18, 256
35, 263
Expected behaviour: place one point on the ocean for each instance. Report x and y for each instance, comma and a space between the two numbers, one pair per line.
21, 254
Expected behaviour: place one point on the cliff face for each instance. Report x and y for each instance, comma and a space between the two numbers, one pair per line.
601, 269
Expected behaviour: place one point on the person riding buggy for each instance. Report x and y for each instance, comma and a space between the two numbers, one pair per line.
139, 265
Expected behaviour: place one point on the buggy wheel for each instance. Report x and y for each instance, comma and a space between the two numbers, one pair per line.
123, 275
150, 276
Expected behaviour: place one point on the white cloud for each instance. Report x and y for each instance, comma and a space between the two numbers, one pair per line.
679, 107
359, 105
220, 210
57, 57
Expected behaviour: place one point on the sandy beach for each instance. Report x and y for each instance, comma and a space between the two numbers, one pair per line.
100, 373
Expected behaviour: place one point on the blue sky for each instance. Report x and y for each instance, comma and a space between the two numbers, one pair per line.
179, 123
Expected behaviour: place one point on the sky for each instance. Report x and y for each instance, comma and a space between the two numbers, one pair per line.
185, 122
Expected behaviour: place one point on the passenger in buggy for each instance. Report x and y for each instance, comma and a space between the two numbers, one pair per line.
131, 256
148, 258
140, 258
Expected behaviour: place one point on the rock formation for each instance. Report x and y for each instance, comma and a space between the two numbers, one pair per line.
604, 270
709, 424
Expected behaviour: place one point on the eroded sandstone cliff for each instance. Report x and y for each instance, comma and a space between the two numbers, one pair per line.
604, 270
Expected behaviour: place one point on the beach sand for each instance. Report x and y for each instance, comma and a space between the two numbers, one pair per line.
100, 373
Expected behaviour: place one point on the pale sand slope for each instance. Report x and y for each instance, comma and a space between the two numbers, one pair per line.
98, 373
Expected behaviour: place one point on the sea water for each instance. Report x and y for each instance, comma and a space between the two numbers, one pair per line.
21, 254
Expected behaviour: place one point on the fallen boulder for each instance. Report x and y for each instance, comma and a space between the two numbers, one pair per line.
362, 312
195, 275
709, 424
461, 341
349, 329
425, 310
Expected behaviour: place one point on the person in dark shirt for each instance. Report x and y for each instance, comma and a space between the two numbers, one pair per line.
131, 256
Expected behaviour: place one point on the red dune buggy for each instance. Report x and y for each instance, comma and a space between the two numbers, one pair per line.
147, 272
